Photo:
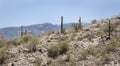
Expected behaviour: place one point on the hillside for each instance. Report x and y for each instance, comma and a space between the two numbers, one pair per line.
89, 46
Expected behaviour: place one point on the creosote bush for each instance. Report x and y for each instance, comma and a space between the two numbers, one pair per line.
75, 26
38, 61
106, 58
3, 54
113, 27
16, 41
26, 37
102, 51
49, 32
31, 45
94, 21
58, 49
112, 47
90, 36
20, 40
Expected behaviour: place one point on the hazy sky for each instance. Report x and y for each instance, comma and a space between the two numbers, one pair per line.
27, 12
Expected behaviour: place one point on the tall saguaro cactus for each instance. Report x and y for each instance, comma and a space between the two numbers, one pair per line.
80, 24
25, 32
62, 29
109, 30
21, 31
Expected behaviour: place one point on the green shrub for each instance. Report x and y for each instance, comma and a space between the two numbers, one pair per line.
74, 26
3, 54
64, 47
60, 48
38, 61
112, 47
2, 43
26, 38
90, 36
113, 27
31, 45
106, 58
49, 32
84, 53
94, 21
72, 63
16, 41
92, 50
72, 36
53, 51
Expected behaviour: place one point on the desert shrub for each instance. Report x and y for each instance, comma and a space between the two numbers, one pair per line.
31, 45
38, 61
64, 47
49, 32
2, 43
84, 53
26, 38
60, 48
113, 27
19, 40
3, 54
92, 50
49, 61
112, 47
102, 51
53, 51
72, 63
72, 36
90, 36
16, 41
106, 58
98, 26
94, 21
74, 26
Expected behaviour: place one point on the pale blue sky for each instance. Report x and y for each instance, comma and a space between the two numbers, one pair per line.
27, 12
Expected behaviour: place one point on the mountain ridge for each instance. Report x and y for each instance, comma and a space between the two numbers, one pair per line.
35, 29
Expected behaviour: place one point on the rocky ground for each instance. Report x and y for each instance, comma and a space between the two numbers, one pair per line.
89, 46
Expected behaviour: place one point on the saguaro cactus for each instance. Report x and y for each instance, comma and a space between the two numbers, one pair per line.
25, 32
80, 24
21, 31
109, 29
62, 29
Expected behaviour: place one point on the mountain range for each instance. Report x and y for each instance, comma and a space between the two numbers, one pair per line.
35, 30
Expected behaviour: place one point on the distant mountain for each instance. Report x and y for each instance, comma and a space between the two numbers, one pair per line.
37, 29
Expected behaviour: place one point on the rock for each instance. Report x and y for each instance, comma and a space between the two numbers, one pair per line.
13, 50
44, 60
31, 60
41, 49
